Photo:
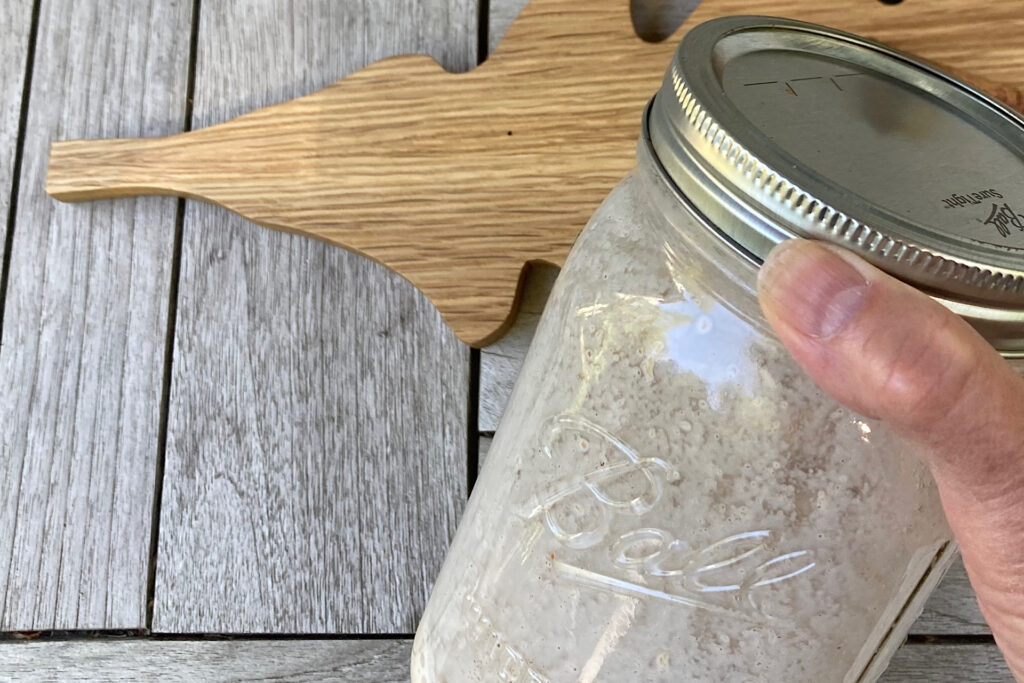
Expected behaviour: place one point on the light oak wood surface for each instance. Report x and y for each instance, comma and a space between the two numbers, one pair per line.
457, 181
317, 435
84, 326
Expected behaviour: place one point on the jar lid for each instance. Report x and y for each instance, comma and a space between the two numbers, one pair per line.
775, 128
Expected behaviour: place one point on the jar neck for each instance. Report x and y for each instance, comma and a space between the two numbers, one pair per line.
728, 273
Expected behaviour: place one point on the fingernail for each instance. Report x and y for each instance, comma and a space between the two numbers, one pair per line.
811, 288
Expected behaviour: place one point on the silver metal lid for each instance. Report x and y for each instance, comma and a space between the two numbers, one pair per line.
776, 128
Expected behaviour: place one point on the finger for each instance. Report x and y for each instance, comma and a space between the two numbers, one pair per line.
889, 351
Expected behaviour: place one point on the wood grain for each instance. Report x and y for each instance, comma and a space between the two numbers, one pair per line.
15, 22
653, 20
953, 608
14, 35
316, 459
372, 661
947, 663
84, 328
457, 181
183, 661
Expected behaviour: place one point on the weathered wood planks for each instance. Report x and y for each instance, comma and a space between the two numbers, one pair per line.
185, 661
85, 594
316, 459
952, 609
85, 324
947, 663
15, 24
355, 661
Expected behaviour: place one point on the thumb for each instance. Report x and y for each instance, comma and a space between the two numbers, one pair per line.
889, 351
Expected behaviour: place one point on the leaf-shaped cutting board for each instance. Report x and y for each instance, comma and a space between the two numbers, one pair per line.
457, 181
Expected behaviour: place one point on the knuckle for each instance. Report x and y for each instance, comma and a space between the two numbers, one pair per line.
927, 375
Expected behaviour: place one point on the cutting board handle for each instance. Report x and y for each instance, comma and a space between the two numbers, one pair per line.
458, 181
82, 170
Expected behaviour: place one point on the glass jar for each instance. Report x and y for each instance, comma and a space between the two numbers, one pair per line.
668, 496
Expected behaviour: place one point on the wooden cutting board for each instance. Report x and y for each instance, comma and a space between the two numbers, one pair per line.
458, 181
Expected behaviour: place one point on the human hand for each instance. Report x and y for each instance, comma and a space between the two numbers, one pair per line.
889, 351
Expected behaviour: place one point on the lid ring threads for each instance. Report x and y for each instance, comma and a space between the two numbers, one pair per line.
826, 220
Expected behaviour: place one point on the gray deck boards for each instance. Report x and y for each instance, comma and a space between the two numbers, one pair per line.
952, 609
84, 328
172, 661
316, 460
355, 661
317, 437
15, 24
948, 663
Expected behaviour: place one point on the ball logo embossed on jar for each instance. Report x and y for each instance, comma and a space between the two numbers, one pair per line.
734, 575
578, 513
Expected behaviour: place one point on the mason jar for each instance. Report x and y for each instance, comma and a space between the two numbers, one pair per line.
669, 497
